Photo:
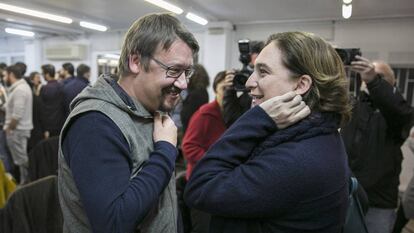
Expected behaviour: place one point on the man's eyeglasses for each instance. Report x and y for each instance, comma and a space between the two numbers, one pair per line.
174, 72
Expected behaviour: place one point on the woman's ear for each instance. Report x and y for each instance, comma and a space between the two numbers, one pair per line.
134, 63
304, 83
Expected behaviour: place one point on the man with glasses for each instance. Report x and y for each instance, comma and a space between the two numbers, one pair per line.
117, 148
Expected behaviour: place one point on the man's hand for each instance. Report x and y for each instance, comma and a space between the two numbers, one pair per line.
164, 129
228, 80
365, 68
12, 125
286, 110
46, 134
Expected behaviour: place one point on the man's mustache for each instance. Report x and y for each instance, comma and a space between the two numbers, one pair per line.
171, 89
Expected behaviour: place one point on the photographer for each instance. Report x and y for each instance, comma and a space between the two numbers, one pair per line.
373, 139
236, 100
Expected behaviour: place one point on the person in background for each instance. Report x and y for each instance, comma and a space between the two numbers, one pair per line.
408, 197
205, 127
255, 48
18, 122
197, 94
405, 211
373, 140
23, 68
282, 166
3, 67
75, 86
237, 102
118, 145
66, 73
4, 151
51, 96
36, 81
37, 133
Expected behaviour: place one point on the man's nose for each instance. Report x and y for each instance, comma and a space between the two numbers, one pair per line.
181, 82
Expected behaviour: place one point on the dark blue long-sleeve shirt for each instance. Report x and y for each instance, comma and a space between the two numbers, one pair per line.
99, 161
71, 89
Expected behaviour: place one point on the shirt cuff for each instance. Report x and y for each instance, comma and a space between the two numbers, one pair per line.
166, 149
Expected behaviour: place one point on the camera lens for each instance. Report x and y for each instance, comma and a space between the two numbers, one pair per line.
239, 81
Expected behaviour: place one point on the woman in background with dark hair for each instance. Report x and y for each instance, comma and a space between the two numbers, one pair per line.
35, 78
205, 127
36, 134
197, 94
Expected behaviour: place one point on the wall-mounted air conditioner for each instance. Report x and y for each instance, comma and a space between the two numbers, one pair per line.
66, 52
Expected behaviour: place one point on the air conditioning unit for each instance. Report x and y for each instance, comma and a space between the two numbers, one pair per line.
66, 52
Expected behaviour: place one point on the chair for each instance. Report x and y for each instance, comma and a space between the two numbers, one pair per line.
33, 208
43, 159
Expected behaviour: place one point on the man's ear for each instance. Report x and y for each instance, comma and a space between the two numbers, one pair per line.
304, 83
134, 63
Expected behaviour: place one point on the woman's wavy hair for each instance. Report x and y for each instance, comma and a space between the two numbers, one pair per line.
308, 54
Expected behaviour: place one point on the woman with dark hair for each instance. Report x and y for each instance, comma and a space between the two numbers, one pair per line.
197, 94
205, 127
35, 78
282, 166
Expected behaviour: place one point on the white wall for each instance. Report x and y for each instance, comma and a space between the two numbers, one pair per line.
12, 49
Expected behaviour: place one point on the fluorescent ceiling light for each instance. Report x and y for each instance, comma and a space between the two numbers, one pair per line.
167, 6
102, 61
19, 32
346, 11
93, 26
113, 63
196, 18
34, 13
113, 56
347, 1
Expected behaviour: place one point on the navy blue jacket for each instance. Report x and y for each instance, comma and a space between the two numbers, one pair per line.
71, 89
52, 115
256, 178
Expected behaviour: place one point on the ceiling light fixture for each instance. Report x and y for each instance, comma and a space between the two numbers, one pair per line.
93, 26
111, 55
35, 13
166, 5
347, 1
346, 11
196, 18
19, 32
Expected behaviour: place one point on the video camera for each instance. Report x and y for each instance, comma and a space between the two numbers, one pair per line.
348, 55
241, 76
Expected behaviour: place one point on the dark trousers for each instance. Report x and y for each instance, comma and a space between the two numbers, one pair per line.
200, 221
401, 220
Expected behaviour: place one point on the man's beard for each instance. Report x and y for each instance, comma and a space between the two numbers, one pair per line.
166, 91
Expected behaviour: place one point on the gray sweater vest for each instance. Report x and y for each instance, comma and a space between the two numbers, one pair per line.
137, 127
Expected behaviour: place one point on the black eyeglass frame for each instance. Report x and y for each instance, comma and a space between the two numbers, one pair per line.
174, 72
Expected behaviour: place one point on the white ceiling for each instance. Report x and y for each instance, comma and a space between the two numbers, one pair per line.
119, 14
